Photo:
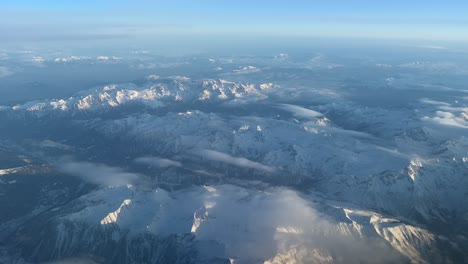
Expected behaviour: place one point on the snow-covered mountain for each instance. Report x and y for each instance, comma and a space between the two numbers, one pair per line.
153, 94
221, 218
185, 171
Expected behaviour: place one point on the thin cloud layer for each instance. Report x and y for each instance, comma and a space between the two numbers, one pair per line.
100, 174
447, 114
249, 226
300, 111
236, 161
4, 72
158, 162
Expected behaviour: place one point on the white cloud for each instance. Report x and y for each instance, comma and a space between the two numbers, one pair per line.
430, 66
236, 161
300, 111
99, 173
246, 70
103, 58
158, 162
448, 119
249, 225
38, 59
447, 114
4, 72
426, 47
137, 52
52, 144
72, 58
107, 58
152, 77
280, 226
433, 102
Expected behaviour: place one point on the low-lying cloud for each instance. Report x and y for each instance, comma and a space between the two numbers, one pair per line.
100, 174
53, 144
278, 225
300, 111
236, 161
447, 114
281, 226
4, 72
158, 162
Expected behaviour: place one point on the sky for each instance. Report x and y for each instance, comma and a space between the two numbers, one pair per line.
52, 20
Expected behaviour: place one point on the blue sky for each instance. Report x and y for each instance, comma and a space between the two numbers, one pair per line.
396, 19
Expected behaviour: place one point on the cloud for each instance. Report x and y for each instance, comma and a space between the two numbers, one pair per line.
246, 70
4, 72
430, 66
37, 59
337, 130
58, 28
52, 144
239, 162
72, 58
158, 162
449, 119
300, 111
281, 226
44, 35
425, 47
248, 225
433, 102
444, 105
447, 114
100, 174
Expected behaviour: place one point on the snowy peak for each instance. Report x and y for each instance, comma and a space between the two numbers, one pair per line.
154, 94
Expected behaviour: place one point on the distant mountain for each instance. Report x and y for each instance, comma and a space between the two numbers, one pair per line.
153, 94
